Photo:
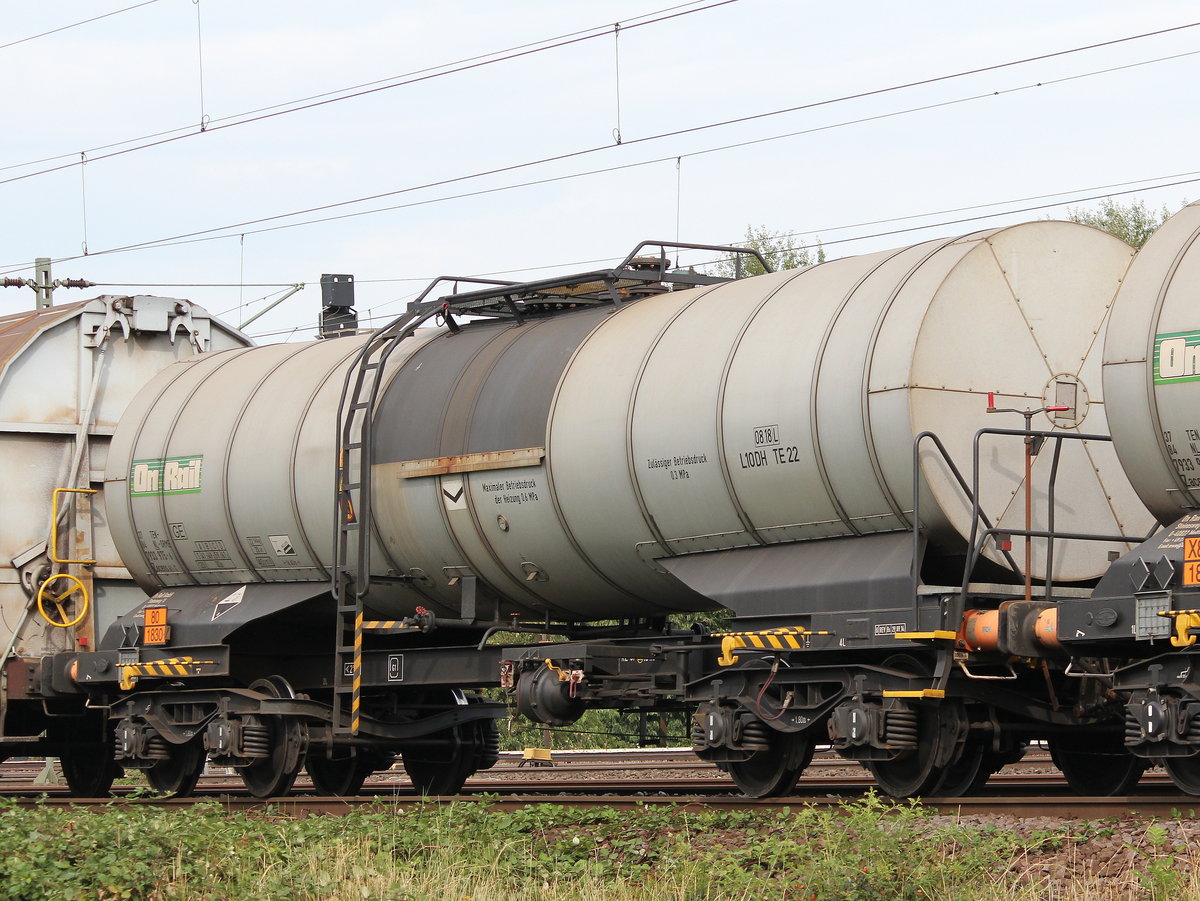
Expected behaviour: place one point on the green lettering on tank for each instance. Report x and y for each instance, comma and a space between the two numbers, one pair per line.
171, 475
1177, 357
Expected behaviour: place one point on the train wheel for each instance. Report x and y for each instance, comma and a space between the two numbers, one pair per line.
966, 775
284, 737
773, 773
437, 773
1098, 766
913, 773
1184, 772
921, 770
90, 770
341, 776
443, 764
178, 774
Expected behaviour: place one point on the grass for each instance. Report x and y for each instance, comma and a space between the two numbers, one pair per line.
869, 849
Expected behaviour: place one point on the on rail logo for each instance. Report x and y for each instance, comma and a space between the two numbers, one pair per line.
1177, 357
172, 475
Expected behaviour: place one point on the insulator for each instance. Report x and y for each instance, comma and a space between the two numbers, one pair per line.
75, 283
16, 283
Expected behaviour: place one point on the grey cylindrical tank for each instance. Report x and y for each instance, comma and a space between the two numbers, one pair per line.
784, 407
555, 461
222, 470
1152, 369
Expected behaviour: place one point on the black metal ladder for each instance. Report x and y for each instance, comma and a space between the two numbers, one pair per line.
351, 573
352, 552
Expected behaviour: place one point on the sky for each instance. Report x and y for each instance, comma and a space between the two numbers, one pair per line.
858, 131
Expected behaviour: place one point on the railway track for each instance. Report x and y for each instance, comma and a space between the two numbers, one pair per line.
638, 778
1167, 806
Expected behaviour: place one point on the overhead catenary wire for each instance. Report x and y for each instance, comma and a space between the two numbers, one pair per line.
569, 40
1065, 198
208, 127
1142, 186
617, 77
657, 160
280, 285
940, 224
61, 28
200, 64
245, 227
83, 197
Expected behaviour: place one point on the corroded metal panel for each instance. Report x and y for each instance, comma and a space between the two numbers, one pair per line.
67, 373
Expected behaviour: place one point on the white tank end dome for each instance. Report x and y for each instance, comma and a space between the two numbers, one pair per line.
1152, 369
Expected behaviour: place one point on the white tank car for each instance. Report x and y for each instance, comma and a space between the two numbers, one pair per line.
560, 460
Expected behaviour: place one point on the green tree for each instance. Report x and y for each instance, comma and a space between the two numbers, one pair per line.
781, 251
1131, 222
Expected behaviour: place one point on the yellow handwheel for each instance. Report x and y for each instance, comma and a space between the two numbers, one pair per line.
83, 608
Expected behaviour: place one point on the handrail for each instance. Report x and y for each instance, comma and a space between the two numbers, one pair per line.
916, 516
723, 248
978, 538
500, 283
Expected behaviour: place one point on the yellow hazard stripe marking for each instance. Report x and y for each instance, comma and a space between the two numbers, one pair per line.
786, 630
356, 687
919, 693
766, 639
175, 666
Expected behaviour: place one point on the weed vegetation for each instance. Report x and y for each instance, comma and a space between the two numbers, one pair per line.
866, 849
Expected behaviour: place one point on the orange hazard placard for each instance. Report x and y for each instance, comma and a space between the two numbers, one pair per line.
155, 626
1191, 560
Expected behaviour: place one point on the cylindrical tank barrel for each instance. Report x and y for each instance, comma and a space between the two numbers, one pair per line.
1152, 369
553, 462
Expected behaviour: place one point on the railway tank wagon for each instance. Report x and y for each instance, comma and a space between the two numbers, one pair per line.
588, 445
837, 455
